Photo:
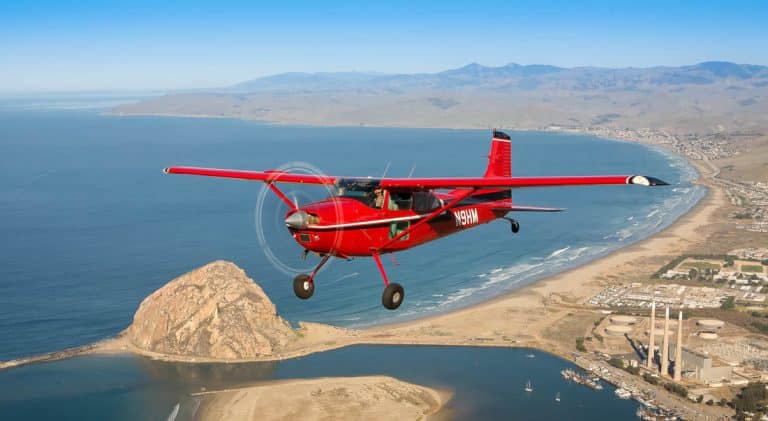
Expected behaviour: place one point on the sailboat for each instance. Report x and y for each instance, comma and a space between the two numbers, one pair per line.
528, 387
557, 397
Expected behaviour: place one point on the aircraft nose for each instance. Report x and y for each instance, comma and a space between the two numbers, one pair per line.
297, 220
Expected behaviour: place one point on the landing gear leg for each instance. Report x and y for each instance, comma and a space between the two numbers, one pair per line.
304, 285
394, 294
513, 225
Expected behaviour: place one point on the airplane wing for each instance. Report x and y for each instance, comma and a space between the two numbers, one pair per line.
266, 176
272, 176
516, 182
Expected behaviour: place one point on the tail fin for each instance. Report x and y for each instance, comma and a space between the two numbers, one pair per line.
500, 159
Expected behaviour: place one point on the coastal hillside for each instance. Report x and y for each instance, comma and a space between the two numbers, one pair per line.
709, 96
215, 311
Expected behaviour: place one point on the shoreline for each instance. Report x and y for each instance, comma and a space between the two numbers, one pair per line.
382, 333
546, 315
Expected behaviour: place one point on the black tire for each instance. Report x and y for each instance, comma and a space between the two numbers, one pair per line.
303, 287
393, 296
515, 226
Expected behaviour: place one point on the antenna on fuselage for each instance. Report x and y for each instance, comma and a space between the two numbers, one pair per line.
386, 169
413, 168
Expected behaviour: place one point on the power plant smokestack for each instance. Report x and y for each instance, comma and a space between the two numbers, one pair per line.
651, 341
665, 347
679, 350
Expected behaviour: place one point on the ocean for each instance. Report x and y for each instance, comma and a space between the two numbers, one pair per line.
90, 226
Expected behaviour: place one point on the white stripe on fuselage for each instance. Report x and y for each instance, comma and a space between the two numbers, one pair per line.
463, 217
367, 223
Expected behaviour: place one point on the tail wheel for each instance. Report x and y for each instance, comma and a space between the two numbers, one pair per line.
393, 296
303, 286
515, 226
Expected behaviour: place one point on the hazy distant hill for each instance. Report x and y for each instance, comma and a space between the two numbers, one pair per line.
526, 96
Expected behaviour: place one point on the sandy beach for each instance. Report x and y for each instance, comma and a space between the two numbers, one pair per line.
349, 398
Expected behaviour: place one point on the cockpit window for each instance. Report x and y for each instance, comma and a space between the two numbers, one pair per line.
364, 190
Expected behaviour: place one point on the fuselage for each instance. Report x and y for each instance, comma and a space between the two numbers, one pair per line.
348, 226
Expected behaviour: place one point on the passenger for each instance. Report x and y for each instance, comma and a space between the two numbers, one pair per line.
378, 198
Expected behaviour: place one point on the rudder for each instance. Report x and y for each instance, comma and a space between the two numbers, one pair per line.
500, 158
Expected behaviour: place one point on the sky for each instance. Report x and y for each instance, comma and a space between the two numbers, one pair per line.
152, 45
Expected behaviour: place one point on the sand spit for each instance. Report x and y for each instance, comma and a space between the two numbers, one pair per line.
348, 398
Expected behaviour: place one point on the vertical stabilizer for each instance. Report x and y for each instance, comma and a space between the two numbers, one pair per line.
500, 158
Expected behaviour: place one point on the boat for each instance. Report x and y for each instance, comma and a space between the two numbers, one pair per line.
583, 379
623, 393
557, 397
531, 356
528, 387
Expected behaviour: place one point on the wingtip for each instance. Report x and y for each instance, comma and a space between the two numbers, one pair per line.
646, 181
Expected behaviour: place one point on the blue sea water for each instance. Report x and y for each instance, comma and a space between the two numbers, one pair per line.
487, 384
90, 225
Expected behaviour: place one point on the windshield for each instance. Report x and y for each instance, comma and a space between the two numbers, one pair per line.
363, 190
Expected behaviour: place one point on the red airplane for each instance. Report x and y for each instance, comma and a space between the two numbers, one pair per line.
375, 216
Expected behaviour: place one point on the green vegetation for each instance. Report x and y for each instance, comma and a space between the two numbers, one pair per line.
750, 398
729, 303
619, 363
700, 265
650, 378
679, 259
677, 389
580, 344
598, 336
760, 326
752, 268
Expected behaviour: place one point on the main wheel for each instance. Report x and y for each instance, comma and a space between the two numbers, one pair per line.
303, 287
393, 296
515, 226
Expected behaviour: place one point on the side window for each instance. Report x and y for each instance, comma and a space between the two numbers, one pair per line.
400, 201
396, 228
425, 201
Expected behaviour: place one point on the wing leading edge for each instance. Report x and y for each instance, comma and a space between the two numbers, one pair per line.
424, 183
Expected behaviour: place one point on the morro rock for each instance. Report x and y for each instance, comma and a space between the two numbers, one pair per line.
214, 312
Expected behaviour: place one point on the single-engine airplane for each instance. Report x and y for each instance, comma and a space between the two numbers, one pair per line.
375, 216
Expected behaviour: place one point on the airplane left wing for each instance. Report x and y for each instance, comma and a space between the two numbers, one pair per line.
272, 176
269, 176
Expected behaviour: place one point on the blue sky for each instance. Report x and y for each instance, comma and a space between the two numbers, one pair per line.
138, 45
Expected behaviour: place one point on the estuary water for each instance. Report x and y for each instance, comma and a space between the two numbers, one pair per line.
487, 384
89, 225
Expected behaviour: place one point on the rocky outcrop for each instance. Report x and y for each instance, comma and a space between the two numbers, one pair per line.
214, 312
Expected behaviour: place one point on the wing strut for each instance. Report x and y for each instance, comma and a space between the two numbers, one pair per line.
428, 218
281, 195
